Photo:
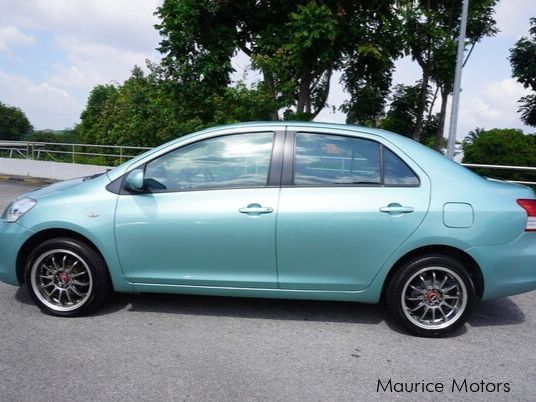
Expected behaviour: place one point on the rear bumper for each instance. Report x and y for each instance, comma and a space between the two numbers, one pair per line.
12, 237
508, 269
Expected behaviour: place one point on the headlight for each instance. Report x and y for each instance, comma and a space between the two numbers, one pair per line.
19, 208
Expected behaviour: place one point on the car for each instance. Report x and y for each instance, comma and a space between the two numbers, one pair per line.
279, 210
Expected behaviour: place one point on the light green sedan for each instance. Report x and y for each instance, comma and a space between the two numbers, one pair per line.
282, 210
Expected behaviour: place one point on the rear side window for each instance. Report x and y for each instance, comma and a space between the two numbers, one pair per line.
324, 159
396, 172
331, 159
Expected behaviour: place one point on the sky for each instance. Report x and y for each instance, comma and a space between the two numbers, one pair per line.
53, 52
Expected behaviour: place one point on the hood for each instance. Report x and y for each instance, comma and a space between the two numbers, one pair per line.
61, 186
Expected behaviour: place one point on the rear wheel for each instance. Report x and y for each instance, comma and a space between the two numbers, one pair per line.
431, 296
67, 277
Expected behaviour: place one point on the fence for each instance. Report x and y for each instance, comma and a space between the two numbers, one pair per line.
505, 167
108, 155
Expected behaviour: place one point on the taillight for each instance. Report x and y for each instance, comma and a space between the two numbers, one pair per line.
530, 207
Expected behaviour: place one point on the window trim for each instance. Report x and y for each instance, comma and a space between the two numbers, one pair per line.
290, 158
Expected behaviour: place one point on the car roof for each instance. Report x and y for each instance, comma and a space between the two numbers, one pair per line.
351, 129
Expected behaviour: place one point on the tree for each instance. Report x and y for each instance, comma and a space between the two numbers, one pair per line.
473, 135
295, 45
68, 136
502, 147
146, 111
140, 112
432, 29
404, 111
94, 118
14, 124
523, 62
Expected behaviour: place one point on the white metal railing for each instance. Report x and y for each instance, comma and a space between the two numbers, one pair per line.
504, 167
67, 151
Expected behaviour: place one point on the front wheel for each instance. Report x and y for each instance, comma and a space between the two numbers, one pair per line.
431, 296
66, 277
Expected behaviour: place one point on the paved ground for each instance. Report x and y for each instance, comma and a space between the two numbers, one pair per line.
157, 348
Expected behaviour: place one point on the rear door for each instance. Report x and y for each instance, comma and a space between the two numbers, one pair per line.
346, 204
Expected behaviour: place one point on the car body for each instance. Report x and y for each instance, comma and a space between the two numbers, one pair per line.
280, 210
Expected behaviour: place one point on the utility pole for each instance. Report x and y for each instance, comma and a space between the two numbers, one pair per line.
457, 82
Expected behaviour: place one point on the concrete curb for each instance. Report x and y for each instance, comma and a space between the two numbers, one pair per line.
46, 170
28, 180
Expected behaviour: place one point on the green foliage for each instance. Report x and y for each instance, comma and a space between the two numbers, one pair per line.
523, 61
14, 124
68, 136
368, 66
145, 111
403, 111
240, 103
528, 109
502, 147
431, 29
402, 114
141, 112
473, 135
295, 45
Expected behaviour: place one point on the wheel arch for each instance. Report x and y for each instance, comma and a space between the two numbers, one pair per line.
45, 235
469, 262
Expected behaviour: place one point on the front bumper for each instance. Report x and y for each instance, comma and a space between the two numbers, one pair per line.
12, 237
508, 269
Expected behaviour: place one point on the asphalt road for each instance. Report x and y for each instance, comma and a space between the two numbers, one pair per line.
167, 347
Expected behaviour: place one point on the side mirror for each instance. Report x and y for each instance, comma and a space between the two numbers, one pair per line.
135, 180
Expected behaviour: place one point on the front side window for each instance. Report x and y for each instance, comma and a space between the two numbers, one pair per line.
240, 160
332, 159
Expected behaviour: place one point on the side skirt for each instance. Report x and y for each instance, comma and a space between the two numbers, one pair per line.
362, 296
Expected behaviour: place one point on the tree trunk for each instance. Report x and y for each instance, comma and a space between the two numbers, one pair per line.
432, 103
423, 98
304, 95
325, 95
269, 82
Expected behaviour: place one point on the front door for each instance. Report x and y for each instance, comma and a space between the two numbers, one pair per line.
207, 217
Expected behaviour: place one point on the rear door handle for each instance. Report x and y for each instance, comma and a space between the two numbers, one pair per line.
255, 209
396, 209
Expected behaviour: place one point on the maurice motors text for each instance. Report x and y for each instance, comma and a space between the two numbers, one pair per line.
453, 386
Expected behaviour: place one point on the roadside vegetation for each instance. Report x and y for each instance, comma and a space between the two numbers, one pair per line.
508, 147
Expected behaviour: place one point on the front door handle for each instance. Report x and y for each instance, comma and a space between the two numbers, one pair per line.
255, 209
396, 209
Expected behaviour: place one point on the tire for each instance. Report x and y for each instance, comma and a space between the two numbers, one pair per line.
431, 296
67, 278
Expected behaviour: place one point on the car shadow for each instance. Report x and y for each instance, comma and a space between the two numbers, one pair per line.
488, 313
496, 312
278, 309
23, 296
